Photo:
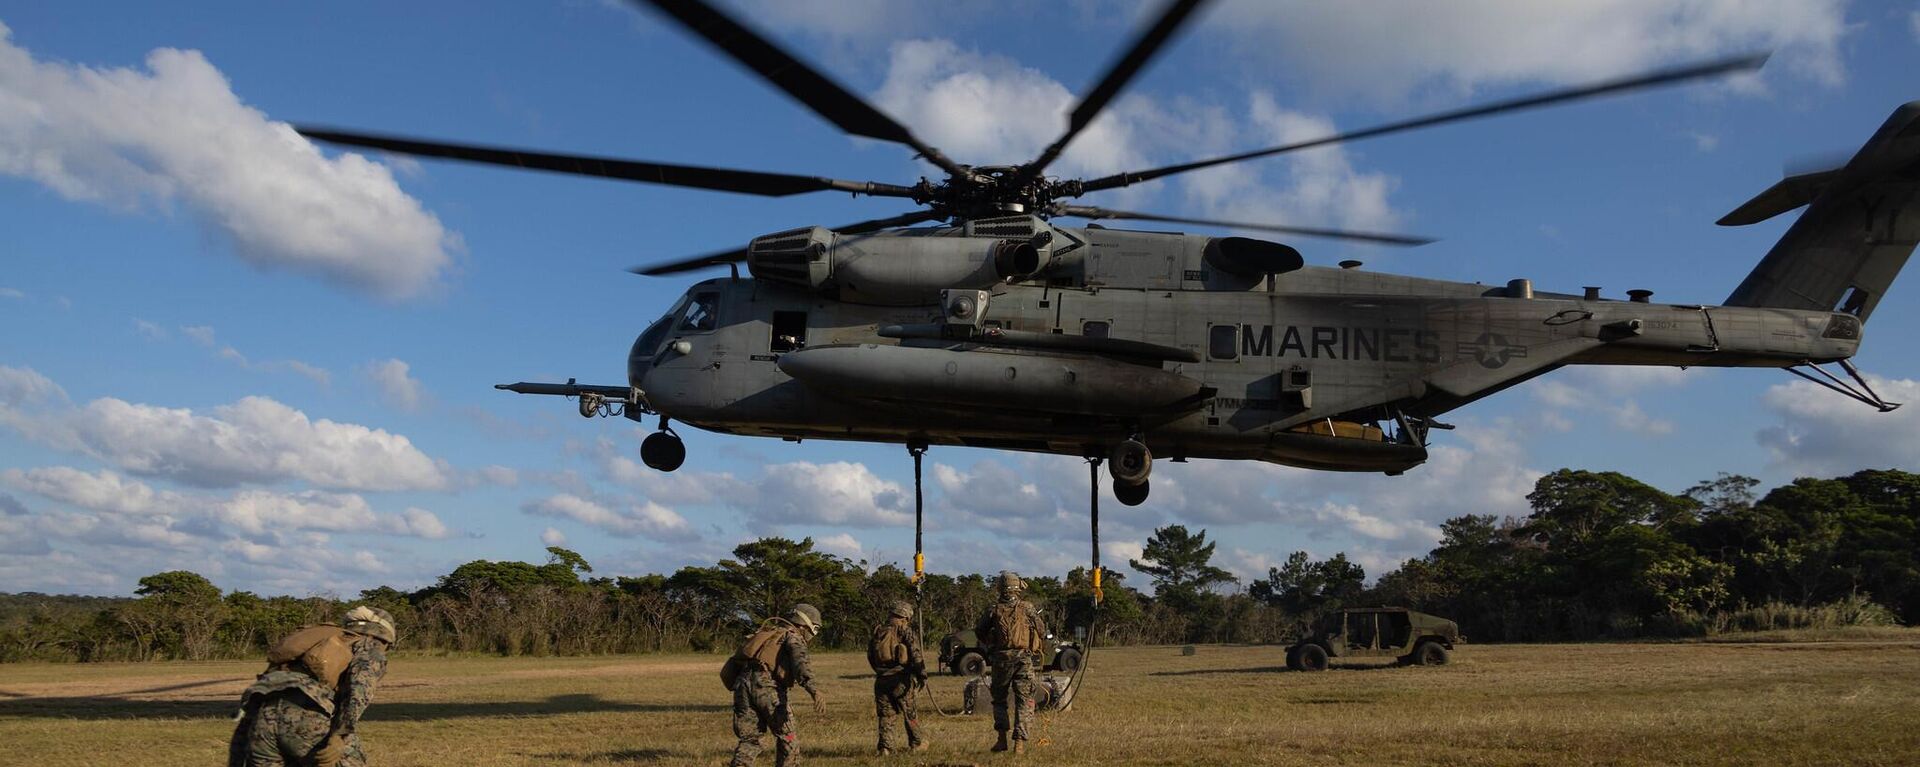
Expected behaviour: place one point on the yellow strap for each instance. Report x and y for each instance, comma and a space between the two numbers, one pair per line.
1097, 594
919, 566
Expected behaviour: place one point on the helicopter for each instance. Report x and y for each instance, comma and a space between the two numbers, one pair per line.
1000, 327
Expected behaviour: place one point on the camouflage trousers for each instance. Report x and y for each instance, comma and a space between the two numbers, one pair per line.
287, 727
760, 707
1012, 688
893, 697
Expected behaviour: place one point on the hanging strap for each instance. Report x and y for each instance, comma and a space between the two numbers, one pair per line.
917, 450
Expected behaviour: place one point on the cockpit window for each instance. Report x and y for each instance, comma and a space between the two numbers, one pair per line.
701, 313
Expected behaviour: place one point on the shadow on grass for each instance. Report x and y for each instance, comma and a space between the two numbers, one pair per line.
1271, 670
117, 707
624, 756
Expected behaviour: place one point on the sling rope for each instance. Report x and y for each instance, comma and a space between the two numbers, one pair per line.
918, 449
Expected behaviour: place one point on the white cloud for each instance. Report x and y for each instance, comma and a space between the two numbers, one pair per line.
1822, 434
101, 491
151, 330
1388, 49
397, 387
1914, 19
204, 336
646, 519
553, 537
255, 440
842, 545
25, 386
1316, 187
838, 493
1606, 389
177, 132
257, 513
13, 293
1705, 142
984, 109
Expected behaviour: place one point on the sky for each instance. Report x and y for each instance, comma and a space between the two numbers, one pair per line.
226, 349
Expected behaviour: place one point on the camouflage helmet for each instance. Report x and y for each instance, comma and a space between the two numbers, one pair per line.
902, 609
371, 621
807, 615
1009, 582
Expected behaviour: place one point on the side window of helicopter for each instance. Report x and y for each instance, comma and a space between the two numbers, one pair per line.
1223, 342
1094, 329
702, 313
789, 332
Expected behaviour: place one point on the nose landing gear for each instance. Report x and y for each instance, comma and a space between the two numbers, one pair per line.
663, 450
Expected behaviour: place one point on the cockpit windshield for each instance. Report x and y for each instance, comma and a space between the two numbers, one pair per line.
701, 314
648, 344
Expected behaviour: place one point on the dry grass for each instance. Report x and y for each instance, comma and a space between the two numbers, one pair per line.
1853, 702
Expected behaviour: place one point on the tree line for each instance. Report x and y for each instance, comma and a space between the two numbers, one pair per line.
1601, 555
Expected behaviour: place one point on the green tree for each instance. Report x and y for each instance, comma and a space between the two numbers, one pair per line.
1179, 561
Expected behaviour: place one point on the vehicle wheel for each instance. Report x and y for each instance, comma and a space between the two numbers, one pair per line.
1293, 659
1068, 660
663, 451
1131, 495
1312, 657
1430, 653
971, 664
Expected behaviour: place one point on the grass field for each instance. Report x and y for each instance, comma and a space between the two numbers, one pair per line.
1852, 701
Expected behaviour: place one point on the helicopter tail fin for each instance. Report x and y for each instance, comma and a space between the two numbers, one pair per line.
1861, 224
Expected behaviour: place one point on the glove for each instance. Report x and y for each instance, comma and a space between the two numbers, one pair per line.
920, 673
819, 706
331, 750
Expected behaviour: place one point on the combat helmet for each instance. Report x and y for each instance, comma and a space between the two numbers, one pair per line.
903, 609
1009, 583
807, 615
371, 621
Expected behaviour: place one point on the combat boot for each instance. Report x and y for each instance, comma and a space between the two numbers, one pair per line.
921, 746
1019, 747
883, 751
1002, 745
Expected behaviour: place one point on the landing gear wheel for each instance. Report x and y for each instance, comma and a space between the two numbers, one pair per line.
1312, 657
1068, 660
1130, 463
1131, 495
663, 451
971, 664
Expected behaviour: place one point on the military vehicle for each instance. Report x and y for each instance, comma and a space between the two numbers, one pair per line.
1376, 632
961, 654
999, 326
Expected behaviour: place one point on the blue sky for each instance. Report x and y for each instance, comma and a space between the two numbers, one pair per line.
224, 350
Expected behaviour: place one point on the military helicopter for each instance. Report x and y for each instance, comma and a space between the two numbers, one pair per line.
1000, 327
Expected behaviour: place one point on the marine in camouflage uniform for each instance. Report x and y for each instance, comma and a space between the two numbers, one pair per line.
289, 717
760, 703
893, 681
1013, 701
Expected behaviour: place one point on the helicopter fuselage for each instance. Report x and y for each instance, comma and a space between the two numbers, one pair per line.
1324, 368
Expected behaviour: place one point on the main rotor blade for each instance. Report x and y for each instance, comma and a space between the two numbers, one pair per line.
1117, 77
804, 83
740, 254
1654, 79
1083, 211
722, 179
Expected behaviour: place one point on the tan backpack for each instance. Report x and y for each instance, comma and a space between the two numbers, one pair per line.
1013, 629
761, 650
887, 649
323, 651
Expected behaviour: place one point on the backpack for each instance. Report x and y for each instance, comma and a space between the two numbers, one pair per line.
1012, 629
761, 650
323, 651
886, 650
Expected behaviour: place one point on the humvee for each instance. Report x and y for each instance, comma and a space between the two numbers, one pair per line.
1376, 632
961, 654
